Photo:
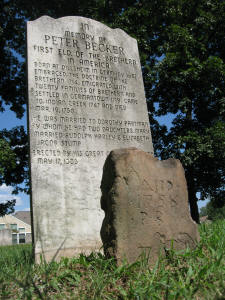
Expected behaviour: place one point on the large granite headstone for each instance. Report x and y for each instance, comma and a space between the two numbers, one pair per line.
86, 97
146, 206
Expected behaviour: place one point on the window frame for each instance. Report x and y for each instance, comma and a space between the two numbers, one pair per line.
23, 239
3, 227
13, 239
11, 226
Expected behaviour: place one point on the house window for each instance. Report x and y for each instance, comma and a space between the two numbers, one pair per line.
21, 229
14, 238
2, 226
13, 226
22, 238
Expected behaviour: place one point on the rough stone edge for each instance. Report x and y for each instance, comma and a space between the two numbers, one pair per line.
111, 158
164, 163
80, 17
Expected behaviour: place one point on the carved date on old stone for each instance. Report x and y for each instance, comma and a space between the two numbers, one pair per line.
146, 205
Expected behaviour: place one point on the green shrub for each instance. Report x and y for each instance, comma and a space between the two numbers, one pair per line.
213, 213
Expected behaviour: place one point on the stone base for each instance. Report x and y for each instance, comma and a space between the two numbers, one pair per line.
146, 206
56, 255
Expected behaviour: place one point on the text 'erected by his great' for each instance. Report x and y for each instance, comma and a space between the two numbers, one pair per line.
82, 80
86, 98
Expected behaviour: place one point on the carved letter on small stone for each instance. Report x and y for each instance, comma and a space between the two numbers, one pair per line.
146, 206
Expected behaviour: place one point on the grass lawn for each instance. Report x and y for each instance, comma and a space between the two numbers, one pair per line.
193, 274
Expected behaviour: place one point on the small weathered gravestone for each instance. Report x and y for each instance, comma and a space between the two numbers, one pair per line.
146, 206
86, 97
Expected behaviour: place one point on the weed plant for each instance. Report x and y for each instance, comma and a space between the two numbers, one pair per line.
191, 274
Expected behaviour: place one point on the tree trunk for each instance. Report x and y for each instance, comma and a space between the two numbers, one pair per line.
192, 198
189, 172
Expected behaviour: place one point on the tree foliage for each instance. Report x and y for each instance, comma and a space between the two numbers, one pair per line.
213, 212
190, 84
182, 50
14, 158
13, 163
8, 161
182, 53
7, 207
